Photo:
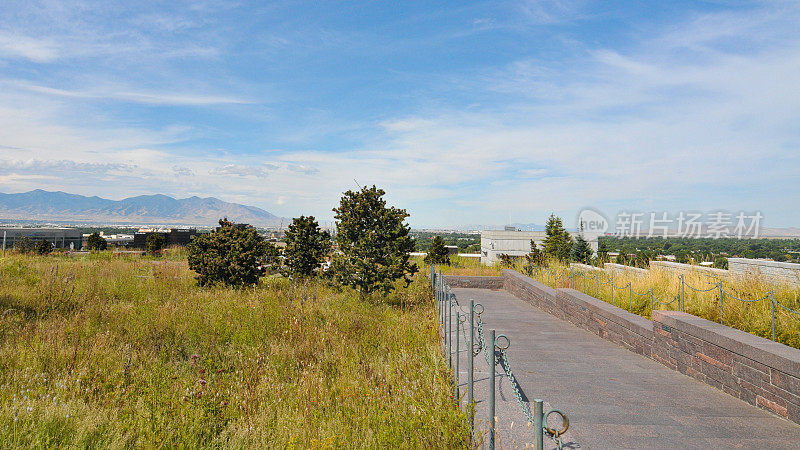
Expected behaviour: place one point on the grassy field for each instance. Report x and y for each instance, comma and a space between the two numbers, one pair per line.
102, 351
755, 317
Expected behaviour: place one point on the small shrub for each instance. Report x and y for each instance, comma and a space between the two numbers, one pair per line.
154, 243
95, 242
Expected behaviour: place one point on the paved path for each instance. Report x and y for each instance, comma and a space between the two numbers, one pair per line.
614, 398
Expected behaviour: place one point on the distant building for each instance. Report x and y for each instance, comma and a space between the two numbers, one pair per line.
117, 240
517, 243
60, 237
173, 236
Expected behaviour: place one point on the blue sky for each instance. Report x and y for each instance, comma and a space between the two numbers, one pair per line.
465, 112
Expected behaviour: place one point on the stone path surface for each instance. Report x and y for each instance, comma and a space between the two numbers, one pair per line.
614, 398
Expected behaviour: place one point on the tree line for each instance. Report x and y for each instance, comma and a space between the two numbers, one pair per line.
370, 252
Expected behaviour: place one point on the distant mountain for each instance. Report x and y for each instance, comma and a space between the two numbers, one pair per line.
157, 209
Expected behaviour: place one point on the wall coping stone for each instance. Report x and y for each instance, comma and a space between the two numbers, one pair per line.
635, 323
773, 354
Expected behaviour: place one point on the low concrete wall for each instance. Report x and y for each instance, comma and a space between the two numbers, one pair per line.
761, 372
458, 281
678, 267
775, 271
623, 268
579, 266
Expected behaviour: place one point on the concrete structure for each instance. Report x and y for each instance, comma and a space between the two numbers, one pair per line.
517, 243
59, 237
781, 272
679, 267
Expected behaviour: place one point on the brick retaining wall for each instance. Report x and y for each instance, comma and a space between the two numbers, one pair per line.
756, 370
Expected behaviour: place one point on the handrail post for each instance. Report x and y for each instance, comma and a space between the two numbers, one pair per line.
721, 309
492, 424
458, 340
630, 297
471, 365
683, 295
449, 329
538, 423
772, 307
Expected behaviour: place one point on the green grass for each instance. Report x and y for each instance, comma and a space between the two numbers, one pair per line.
102, 351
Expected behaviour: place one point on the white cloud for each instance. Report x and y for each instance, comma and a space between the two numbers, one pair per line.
20, 46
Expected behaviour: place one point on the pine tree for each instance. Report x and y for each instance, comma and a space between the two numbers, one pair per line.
438, 253
581, 252
558, 242
602, 251
536, 257
306, 246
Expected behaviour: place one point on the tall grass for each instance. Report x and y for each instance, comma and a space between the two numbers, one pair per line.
632, 293
101, 351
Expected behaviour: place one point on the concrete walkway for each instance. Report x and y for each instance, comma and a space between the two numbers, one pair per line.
614, 398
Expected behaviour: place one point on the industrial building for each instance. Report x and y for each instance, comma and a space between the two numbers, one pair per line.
173, 236
518, 243
69, 238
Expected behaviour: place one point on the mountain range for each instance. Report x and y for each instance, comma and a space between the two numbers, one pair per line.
39, 205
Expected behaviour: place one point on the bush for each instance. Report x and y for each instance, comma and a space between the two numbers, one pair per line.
154, 243
306, 246
231, 256
95, 242
43, 247
24, 245
374, 242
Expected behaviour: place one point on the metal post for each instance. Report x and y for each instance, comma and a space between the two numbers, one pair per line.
458, 340
630, 297
772, 306
538, 423
492, 424
721, 310
471, 363
449, 330
683, 296
612, 288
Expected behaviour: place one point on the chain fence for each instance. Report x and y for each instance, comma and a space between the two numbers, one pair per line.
588, 279
494, 348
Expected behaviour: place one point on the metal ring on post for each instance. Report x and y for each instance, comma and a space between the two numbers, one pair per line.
564, 421
497, 342
476, 309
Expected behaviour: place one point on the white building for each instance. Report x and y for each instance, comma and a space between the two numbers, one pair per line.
517, 243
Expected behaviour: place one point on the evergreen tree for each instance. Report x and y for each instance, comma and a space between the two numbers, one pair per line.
232, 255
374, 242
438, 253
95, 242
602, 251
306, 246
558, 242
536, 257
580, 251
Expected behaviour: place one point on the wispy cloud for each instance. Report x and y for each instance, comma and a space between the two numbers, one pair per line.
148, 98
